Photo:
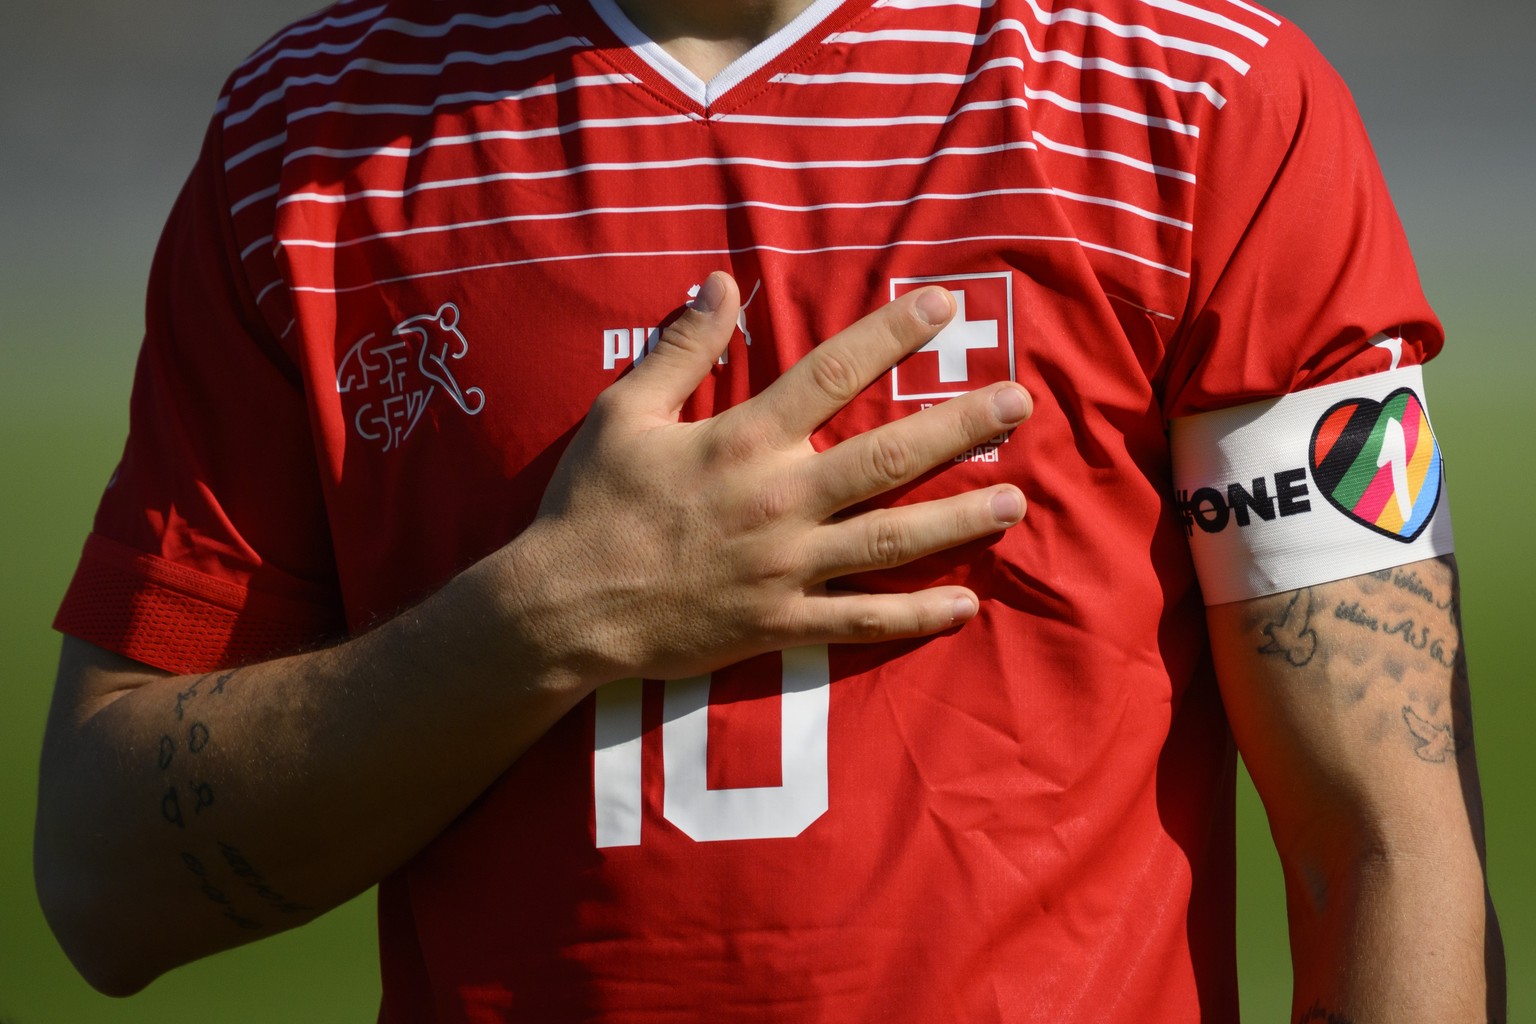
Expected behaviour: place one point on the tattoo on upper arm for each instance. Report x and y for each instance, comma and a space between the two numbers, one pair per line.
193, 739
1436, 743
1395, 633
1292, 635
179, 758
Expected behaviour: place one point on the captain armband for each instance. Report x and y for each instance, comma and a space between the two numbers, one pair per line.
1321, 485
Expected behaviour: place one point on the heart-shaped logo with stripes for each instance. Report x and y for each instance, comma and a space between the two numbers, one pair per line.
1379, 463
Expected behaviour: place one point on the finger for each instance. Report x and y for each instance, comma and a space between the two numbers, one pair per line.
834, 372
874, 462
889, 537
686, 350
840, 617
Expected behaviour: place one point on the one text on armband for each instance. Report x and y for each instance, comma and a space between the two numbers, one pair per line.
1318, 485
1213, 509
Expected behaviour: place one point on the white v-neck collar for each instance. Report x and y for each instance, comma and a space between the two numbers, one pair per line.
701, 92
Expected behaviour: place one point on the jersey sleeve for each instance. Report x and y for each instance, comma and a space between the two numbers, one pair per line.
210, 546
1299, 258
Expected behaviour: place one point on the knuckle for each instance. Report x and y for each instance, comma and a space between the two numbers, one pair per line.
891, 459
867, 626
835, 377
889, 542
765, 506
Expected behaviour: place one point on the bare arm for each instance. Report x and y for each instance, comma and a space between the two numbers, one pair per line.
1350, 704
180, 816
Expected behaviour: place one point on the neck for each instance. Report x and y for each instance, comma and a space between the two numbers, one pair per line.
707, 35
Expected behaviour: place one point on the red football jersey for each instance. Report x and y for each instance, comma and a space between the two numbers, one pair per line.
422, 236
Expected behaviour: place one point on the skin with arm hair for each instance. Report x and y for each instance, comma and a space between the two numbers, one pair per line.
182, 815
1350, 703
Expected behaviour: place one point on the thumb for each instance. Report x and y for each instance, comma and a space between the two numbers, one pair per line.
687, 348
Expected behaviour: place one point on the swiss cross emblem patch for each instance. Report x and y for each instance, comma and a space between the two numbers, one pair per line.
973, 350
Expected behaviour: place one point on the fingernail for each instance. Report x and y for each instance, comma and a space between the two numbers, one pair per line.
933, 306
711, 294
964, 608
1008, 506
1009, 405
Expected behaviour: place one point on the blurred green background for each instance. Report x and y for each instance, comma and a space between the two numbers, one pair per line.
102, 106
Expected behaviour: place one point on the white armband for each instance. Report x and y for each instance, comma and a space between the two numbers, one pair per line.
1316, 486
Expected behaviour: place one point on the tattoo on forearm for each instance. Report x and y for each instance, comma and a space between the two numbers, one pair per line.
1318, 1013
1292, 635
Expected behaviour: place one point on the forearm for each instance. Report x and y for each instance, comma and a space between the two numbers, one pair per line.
188, 814
1393, 928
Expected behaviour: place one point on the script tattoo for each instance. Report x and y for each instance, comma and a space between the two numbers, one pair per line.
1387, 642
258, 884
1292, 635
217, 896
1412, 633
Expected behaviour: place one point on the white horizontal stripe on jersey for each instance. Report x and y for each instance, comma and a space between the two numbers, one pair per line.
1256, 11
1068, 58
1114, 157
453, 98
1091, 19
387, 68
309, 28
401, 27
1174, 6
255, 197
505, 135
1110, 110
256, 150
609, 211
869, 122
946, 78
648, 165
254, 247
735, 251
1210, 18
267, 291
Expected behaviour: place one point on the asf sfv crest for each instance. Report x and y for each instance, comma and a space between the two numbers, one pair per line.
398, 376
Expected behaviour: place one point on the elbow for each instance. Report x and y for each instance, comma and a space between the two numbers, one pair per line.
1346, 862
111, 961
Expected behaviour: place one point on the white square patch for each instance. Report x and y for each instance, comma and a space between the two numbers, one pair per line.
976, 347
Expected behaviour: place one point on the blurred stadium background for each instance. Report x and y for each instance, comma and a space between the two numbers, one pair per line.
102, 106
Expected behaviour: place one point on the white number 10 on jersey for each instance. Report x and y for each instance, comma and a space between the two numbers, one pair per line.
704, 814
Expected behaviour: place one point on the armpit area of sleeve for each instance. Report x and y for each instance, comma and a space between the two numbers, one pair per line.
180, 620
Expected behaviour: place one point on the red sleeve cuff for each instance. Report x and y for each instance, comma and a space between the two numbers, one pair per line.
180, 620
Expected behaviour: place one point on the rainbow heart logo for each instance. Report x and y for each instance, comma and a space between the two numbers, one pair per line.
1379, 463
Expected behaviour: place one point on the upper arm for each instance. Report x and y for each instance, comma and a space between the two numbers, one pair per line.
1350, 704
90, 678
